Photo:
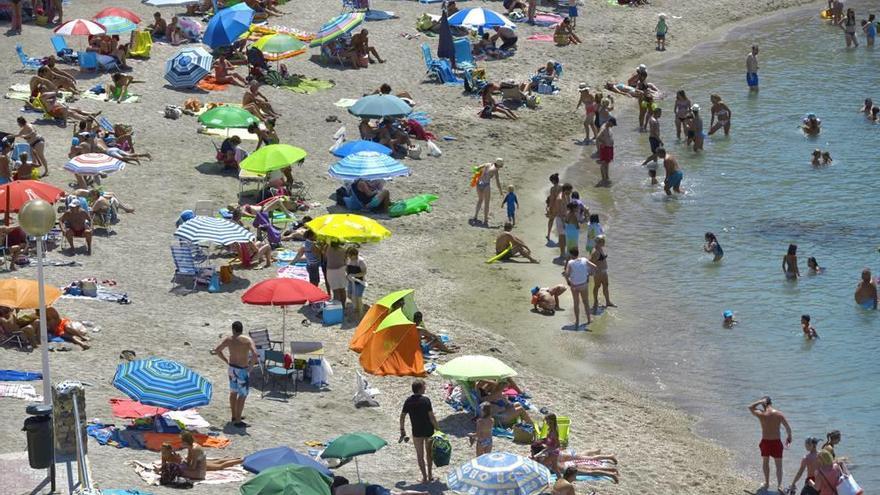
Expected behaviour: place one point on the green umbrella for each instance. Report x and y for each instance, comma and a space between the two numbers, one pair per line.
473, 368
289, 479
272, 157
225, 117
353, 445
280, 46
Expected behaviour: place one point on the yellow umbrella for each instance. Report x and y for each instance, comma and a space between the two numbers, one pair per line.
24, 294
348, 228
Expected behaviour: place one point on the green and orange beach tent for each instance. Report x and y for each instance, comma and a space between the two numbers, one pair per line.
377, 312
394, 348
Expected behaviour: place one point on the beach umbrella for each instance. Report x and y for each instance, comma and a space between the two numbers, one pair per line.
346, 227
368, 165
187, 67
352, 445
18, 293
79, 27
280, 46
377, 313
214, 230
163, 383
499, 473
226, 117
351, 147
289, 479
116, 24
169, 3
445, 45
378, 106
272, 157
473, 368
228, 25
336, 27
262, 460
283, 292
118, 12
13, 195
478, 17
93, 164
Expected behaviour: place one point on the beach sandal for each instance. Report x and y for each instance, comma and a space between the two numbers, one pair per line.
124, 299
331, 118
306, 322
127, 355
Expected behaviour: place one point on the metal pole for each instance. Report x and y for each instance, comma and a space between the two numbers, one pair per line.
82, 461
44, 334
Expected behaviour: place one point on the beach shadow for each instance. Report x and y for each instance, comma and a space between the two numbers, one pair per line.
542, 313
231, 429
214, 168
329, 63
432, 487
571, 328
187, 91
457, 425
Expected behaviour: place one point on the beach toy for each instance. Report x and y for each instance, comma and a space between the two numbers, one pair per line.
825, 14
500, 255
478, 172
414, 205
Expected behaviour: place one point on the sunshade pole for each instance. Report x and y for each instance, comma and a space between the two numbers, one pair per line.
283, 326
357, 469
8, 205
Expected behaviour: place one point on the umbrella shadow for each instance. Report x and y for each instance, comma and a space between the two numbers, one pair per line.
328, 63
214, 168
458, 425
434, 487
189, 91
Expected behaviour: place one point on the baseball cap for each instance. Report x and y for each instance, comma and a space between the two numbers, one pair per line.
535, 290
728, 313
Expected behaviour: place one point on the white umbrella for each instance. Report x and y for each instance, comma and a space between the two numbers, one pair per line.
93, 164
80, 27
214, 230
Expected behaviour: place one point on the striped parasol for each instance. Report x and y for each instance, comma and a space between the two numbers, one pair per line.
499, 473
93, 164
79, 27
214, 230
280, 46
336, 27
187, 67
479, 17
116, 25
163, 383
118, 12
368, 165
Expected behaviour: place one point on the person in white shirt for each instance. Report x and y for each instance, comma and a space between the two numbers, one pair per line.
577, 276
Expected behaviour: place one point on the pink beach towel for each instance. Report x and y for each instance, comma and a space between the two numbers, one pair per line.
541, 37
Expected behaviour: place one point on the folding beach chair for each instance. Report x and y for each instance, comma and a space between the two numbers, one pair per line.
27, 63
274, 370
185, 265
431, 65
464, 59
62, 51
143, 44
204, 208
88, 61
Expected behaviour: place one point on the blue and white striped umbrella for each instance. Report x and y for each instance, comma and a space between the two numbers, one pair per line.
479, 17
351, 147
93, 164
116, 25
499, 473
214, 230
368, 165
188, 67
163, 383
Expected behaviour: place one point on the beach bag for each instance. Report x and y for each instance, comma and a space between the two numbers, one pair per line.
414, 151
214, 284
441, 449
533, 101
848, 486
173, 112
424, 22
523, 433
88, 288
433, 149
808, 490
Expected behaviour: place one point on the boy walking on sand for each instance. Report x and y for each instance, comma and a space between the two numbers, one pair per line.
512, 204
661, 31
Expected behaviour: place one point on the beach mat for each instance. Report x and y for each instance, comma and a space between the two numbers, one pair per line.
153, 441
147, 472
307, 86
88, 95
22, 391
209, 83
19, 376
129, 409
541, 37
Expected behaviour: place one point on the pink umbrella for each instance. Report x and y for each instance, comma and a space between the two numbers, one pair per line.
80, 27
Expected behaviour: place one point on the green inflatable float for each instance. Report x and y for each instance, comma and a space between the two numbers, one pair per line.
415, 204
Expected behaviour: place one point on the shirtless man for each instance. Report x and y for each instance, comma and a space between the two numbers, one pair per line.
488, 171
656, 144
361, 44
224, 73
158, 27
674, 175
550, 208
256, 103
565, 484
866, 291
516, 245
76, 223
771, 444
561, 208
242, 354
605, 142
752, 68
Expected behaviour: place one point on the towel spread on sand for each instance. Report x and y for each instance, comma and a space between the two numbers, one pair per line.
88, 95
19, 376
306, 86
544, 20
580, 477
541, 37
104, 294
345, 102
154, 441
129, 409
190, 418
209, 83
147, 472
243, 134
20, 391
298, 271
22, 92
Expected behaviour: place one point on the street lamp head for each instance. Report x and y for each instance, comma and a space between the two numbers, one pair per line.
37, 217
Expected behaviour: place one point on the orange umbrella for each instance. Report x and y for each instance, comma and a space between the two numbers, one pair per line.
16, 293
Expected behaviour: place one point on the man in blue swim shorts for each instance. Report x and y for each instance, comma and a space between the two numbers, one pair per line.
674, 175
752, 68
242, 354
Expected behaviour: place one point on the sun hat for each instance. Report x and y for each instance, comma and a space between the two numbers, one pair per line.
695, 108
583, 87
642, 67
728, 313
499, 161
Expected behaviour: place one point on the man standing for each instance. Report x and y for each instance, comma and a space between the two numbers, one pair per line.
674, 175
423, 422
605, 141
242, 354
771, 445
752, 68
561, 208
551, 204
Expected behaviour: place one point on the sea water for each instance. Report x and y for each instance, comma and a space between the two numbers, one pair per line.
757, 191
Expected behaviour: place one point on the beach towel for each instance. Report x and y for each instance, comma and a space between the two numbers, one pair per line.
190, 418
243, 134
209, 83
379, 15
580, 477
147, 472
296, 271
420, 117
345, 102
114, 491
415, 129
89, 95
306, 86
545, 20
19, 376
104, 294
129, 409
20, 391
107, 435
154, 441
541, 37
501, 432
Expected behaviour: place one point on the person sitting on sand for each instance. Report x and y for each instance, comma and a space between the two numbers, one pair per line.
64, 328
196, 464
811, 125
368, 131
230, 155
256, 102
370, 195
507, 36
61, 78
360, 42
564, 34
250, 252
866, 291
491, 107
341, 486
486, 46
392, 135
9, 326
545, 300
76, 223
40, 83
60, 111
433, 341
505, 412
224, 73
159, 26
506, 240
118, 87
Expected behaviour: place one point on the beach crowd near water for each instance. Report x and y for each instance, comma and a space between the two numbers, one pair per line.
322, 255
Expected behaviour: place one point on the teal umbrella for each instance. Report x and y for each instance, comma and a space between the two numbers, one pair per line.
288, 479
116, 24
352, 445
378, 106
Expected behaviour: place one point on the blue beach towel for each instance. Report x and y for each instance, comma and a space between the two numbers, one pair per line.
19, 376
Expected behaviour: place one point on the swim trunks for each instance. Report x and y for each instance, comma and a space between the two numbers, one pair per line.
239, 380
606, 153
62, 327
573, 11
655, 143
486, 443
771, 448
674, 180
752, 79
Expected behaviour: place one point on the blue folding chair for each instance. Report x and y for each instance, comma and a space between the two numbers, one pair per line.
88, 61
59, 44
431, 65
27, 63
464, 59
445, 73
20, 148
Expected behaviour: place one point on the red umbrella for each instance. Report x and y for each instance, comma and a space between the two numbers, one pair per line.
118, 12
13, 195
283, 292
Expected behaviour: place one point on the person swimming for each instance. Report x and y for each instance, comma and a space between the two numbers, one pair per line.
826, 158
817, 158
809, 332
789, 263
811, 125
813, 266
729, 320
713, 246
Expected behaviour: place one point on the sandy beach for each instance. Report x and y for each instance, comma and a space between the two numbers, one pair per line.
483, 308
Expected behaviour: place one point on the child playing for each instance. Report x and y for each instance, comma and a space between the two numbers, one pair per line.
594, 230
809, 331
810, 463
729, 321
661, 31
713, 246
572, 226
512, 204
482, 435
655, 142
545, 300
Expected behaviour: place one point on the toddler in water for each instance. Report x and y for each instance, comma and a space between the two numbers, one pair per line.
813, 266
713, 246
512, 204
729, 321
809, 331
809, 463
594, 230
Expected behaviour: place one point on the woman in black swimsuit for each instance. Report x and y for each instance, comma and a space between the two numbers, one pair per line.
600, 275
36, 142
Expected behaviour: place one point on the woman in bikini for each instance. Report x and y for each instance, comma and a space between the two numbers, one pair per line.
557, 459
37, 143
590, 107
849, 25
721, 115
487, 172
223, 73
682, 109
62, 112
600, 277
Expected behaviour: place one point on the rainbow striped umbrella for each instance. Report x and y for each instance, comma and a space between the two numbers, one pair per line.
163, 383
280, 46
93, 164
336, 27
116, 24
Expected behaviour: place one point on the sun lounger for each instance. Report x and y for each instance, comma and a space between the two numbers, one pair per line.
27, 63
464, 58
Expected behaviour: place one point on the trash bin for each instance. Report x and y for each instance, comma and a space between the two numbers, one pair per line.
38, 428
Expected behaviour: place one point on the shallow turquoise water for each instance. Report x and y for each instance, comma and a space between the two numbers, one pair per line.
758, 192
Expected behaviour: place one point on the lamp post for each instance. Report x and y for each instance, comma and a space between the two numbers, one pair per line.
37, 217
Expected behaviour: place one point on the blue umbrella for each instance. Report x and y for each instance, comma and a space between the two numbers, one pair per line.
163, 383
367, 165
186, 68
499, 473
279, 456
227, 25
214, 230
378, 106
479, 17
352, 147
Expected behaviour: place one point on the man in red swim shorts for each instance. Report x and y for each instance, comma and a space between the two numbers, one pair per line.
605, 142
771, 444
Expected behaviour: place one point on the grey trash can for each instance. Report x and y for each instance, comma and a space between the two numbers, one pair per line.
38, 428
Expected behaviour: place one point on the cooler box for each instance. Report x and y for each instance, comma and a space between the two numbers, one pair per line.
333, 313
